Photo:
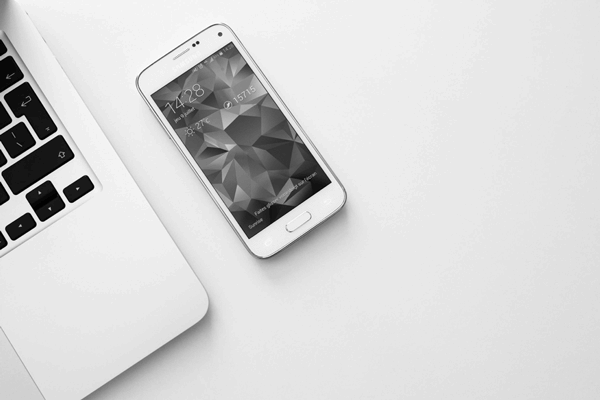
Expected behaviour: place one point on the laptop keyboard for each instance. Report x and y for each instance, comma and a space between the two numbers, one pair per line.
43, 176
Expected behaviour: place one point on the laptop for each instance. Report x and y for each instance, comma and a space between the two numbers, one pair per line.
90, 281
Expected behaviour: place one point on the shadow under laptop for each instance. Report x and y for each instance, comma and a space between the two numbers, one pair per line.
197, 337
313, 251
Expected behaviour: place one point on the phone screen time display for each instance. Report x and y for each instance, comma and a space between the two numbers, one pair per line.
240, 139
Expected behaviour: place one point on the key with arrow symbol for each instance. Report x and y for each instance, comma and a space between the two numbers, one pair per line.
24, 101
78, 189
10, 73
20, 226
45, 201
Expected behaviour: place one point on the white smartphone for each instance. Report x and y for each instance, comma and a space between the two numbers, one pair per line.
243, 143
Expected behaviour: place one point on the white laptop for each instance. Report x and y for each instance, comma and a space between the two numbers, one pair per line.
90, 281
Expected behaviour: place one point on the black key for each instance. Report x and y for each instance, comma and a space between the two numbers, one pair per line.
23, 101
78, 189
4, 117
3, 242
45, 201
10, 73
2, 159
3, 195
20, 227
37, 164
2, 48
50, 209
39, 195
17, 140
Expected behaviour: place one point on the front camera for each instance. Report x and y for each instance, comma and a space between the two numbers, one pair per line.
220, 33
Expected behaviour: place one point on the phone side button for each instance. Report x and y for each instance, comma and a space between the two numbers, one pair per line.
298, 221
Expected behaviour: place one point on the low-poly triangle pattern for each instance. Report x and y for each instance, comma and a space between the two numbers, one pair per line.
241, 140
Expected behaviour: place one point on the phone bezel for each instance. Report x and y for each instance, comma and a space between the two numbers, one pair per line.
275, 237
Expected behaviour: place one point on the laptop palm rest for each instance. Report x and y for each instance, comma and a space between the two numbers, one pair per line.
15, 381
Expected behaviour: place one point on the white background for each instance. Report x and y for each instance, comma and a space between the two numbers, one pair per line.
465, 264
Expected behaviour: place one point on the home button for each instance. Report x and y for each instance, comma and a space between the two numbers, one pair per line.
298, 221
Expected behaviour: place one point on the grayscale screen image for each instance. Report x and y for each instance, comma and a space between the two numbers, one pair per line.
241, 140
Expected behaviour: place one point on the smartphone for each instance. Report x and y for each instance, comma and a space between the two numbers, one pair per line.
243, 143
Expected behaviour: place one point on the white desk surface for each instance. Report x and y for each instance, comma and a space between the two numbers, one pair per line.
466, 262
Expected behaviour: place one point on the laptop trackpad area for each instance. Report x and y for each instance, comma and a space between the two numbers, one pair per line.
15, 382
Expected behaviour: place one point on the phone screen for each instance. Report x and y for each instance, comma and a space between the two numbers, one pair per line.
240, 139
